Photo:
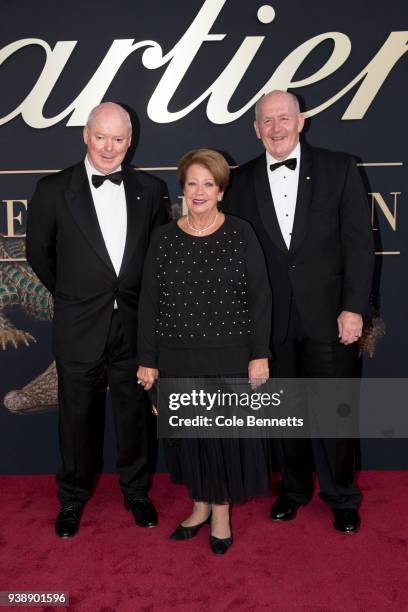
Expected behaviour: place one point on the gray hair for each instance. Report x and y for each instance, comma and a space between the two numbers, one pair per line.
114, 106
271, 93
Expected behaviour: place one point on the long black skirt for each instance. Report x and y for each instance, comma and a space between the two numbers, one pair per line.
220, 470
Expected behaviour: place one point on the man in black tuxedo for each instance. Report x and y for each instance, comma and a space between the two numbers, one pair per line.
310, 212
88, 230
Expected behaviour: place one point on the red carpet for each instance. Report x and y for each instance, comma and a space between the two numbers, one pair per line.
112, 565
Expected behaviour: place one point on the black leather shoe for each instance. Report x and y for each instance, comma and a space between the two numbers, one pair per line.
220, 546
346, 520
186, 533
144, 512
284, 509
67, 521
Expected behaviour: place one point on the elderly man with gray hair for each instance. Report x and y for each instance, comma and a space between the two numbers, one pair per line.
309, 209
88, 230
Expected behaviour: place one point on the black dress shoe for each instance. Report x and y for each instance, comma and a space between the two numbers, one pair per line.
144, 512
186, 533
219, 546
67, 521
284, 509
346, 520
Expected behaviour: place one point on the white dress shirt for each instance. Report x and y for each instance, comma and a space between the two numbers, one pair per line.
284, 187
110, 206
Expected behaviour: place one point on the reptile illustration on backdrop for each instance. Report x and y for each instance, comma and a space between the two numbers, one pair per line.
20, 287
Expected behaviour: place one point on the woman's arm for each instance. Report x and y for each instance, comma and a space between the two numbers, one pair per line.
259, 298
260, 310
148, 311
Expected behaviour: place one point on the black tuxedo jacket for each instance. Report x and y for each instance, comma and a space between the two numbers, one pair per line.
329, 265
66, 250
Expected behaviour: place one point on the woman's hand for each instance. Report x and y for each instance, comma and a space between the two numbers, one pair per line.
258, 372
147, 377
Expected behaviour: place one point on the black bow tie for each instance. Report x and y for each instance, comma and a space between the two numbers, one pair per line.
290, 163
98, 179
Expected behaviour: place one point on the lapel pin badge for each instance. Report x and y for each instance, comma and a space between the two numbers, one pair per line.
308, 178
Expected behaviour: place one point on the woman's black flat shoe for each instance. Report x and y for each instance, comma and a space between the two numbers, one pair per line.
185, 533
220, 546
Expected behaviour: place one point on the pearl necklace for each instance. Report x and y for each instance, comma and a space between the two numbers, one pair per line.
203, 229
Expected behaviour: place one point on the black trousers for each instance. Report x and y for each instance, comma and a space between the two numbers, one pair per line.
333, 459
79, 394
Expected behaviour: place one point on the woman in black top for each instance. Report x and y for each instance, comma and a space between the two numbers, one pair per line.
205, 310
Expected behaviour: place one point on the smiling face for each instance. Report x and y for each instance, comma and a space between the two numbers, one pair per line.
278, 124
108, 138
200, 191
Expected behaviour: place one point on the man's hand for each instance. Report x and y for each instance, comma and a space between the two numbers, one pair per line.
147, 377
258, 372
350, 326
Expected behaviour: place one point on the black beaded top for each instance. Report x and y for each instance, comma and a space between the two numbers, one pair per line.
204, 293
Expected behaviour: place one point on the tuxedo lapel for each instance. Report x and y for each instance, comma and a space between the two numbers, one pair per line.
266, 205
79, 200
134, 191
304, 196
